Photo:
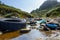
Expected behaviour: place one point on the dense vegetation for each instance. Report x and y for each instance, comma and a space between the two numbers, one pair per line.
48, 9
9, 11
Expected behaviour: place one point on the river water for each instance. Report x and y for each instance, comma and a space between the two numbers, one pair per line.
32, 35
35, 34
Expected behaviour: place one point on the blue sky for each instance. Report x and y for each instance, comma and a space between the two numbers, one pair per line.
25, 5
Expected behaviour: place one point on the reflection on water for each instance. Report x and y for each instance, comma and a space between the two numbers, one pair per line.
35, 34
38, 35
32, 35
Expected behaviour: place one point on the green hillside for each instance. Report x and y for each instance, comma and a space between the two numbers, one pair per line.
9, 11
54, 12
47, 9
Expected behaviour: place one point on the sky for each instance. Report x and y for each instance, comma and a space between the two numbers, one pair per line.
25, 5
